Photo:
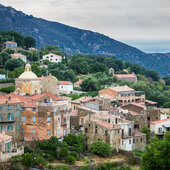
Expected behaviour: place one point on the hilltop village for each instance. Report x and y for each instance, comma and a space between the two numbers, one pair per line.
43, 107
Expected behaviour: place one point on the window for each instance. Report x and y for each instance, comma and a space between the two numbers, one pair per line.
0, 107
156, 118
17, 127
86, 130
11, 127
17, 114
34, 119
24, 109
129, 141
64, 132
17, 107
160, 130
133, 140
89, 125
140, 139
136, 126
48, 132
34, 109
33, 131
22, 131
9, 107
48, 119
148, 118
106, 132
95, 130
0, 117
122, 133
116, 120
108, 120
130, 132
8, 127
122, 142
23, 118
118, 131
1, 128
58, 119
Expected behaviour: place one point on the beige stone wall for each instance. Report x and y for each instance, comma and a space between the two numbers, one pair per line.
139, 143
109, 92
50, 85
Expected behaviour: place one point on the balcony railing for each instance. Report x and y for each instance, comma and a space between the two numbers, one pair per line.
8, 121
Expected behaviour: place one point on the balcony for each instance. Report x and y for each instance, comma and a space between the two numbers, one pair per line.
8, 121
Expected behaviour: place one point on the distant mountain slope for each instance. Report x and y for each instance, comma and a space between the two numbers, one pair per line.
72, 40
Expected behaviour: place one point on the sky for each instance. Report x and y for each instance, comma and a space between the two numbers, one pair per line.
144, 24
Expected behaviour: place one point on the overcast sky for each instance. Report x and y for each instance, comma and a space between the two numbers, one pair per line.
141, 23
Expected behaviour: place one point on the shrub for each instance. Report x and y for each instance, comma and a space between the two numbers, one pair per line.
51, 159
16, 167
63, 153
107, 166
138, 153
8, 89
27, 159
101, 149
74, 154
86, 160
132, 161
38, 159
15, 158
27, 149
70, 159
125, 167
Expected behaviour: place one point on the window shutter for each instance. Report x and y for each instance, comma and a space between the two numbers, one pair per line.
11, 116
7, 116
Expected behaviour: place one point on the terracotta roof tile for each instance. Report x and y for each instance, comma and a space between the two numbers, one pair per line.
82, 99
121, 88
53, 55
159, 121
78, 82
107, 125
150, 102
65, 82
5, 137
136, 133
30, 104
39, 96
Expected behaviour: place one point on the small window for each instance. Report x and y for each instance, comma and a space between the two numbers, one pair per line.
34, 119
133, 140
1, 128
106, 132
33, 131
108, 120
17, 107
11, 127
140, 139
148, 118
58, 119
129, 141
17, 127
122, 142
48, 132
48, 119
86, 130
95, 130
8, 127
22, 131
9, 107
17, 114
23, 118
0, 107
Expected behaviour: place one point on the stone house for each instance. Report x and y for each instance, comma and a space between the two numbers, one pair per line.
123, 94
54, 58
10, 44
19, 56
10, 115
43, 120
139, 141
65, 87
6, 148
160, 127
128, 77
102, 131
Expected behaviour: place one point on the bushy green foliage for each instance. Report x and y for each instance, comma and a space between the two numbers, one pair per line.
107, 166
27, 149
15, 158
63, 153
11, 64
101, 149
29, 42
157, 154
74, 154
138, 153
8, 89
27, 159
70, 159
9, 80
147, 131
132, 161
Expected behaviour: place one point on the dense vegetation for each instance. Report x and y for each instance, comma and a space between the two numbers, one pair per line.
93, 70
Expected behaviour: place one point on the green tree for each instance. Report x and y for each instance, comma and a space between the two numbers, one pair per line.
4, 56
37, 70
90, 84
157, 154
8, 89
166, 105
11, 64
70, 159
27, 159
29, 42
101, 149
147, 131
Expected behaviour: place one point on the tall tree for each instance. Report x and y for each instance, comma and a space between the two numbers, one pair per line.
29, 42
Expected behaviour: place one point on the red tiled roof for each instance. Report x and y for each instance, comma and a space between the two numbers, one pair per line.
39, 96
9, 42
133, 103
125, 75
65, 82
16, 55
82, 99
107, 125
78, 82
136, 133
150, 102
30, 104
4, 137
159, 121
12, 99
53, 55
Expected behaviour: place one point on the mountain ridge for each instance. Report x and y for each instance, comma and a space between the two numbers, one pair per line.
73, 40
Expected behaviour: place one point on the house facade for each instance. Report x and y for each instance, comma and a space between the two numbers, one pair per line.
10, 44
54, 58
65, 87
19, 56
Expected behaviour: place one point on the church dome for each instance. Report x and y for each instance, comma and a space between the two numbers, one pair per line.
28, 74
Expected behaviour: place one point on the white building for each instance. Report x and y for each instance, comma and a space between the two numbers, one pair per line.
2, 76
10, 44
19, 56
52, 58
65, 87
160, 127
